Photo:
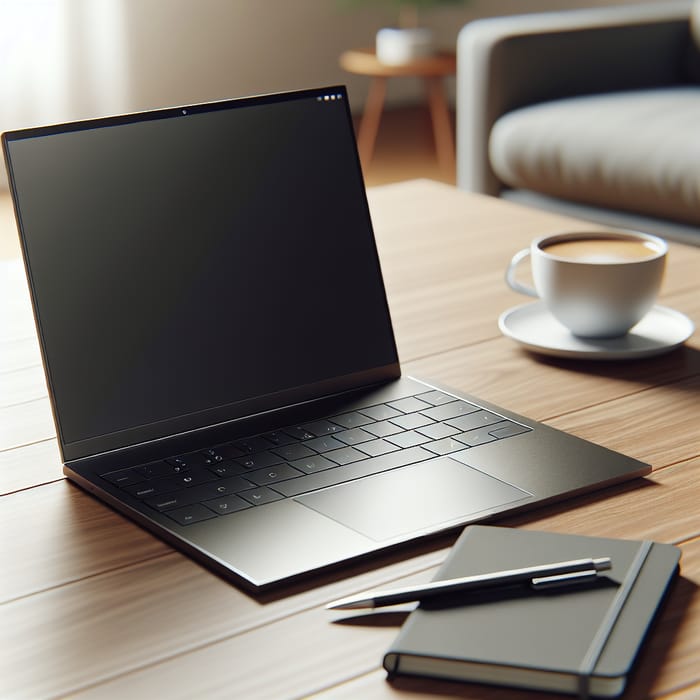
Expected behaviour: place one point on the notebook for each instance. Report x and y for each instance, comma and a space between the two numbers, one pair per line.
581, 640
219, 351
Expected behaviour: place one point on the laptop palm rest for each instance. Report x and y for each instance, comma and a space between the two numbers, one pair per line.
415, 498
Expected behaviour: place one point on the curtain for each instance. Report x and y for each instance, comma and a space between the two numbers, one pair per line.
61, 60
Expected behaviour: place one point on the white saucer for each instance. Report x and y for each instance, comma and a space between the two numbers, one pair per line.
531, 325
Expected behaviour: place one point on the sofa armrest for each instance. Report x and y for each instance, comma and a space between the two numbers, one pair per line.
504, 63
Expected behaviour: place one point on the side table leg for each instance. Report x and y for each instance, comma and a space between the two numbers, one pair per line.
369, 125
442, 126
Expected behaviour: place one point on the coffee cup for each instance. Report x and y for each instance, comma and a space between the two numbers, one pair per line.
598, 284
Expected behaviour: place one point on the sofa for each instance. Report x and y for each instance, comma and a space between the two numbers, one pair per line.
593, 113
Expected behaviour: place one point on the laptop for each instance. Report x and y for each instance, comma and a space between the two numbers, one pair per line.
219, 351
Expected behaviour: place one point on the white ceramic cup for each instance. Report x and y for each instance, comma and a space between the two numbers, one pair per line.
599, 284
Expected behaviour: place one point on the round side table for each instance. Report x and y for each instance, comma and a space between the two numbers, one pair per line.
431, 69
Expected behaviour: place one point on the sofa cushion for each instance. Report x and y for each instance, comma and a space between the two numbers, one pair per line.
638, 151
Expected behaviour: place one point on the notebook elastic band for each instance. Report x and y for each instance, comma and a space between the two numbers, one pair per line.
601, 637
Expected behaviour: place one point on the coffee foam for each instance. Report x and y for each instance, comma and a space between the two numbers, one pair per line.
602, 250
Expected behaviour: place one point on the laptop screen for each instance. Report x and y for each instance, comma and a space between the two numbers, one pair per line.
193, 265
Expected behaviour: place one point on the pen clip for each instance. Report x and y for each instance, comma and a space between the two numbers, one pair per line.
561, 580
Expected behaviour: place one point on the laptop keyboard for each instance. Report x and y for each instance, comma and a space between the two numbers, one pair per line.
297, 459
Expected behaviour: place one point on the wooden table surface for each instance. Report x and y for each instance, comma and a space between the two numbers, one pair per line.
91, 606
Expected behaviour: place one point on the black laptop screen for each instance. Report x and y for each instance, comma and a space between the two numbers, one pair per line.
190, 266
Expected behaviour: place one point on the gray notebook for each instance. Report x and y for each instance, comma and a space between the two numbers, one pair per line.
580, 640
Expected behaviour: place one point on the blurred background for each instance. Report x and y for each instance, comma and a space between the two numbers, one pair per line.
68, 59
62, 60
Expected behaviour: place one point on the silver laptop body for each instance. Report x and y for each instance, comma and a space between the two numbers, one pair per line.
219, 352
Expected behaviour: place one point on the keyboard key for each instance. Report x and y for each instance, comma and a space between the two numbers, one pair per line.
477, 419
377, 447
373, 465
125, 477
212, 456
480, 436
315, 463
436, 431
380, 412
322, 427
176, 499
222, 487
509, 430
252, 445
264, 477
408, 439
193, 477
229, 451
279, 438
346, 455
299, 433
409, 405
355, 436
259, 460
450, 410
436, 398
143, 490
191, 514
227, 469
260, 496
324, 444
194, 459
445, 446
226, 505
352, 420
412, 421
383, 428
159, 470
152, 488
179, 464
291, 452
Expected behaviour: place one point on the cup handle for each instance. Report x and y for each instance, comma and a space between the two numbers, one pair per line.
510, 274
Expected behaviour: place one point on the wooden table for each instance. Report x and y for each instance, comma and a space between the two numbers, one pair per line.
92, 606
432, 70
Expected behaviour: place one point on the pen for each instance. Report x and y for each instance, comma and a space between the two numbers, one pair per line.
538, 577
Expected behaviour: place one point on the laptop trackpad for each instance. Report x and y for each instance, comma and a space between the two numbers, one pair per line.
415, 498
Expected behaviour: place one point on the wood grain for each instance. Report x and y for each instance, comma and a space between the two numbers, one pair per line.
336, 646
22, 385
25, 423
19, 354
657, 425
29, 465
